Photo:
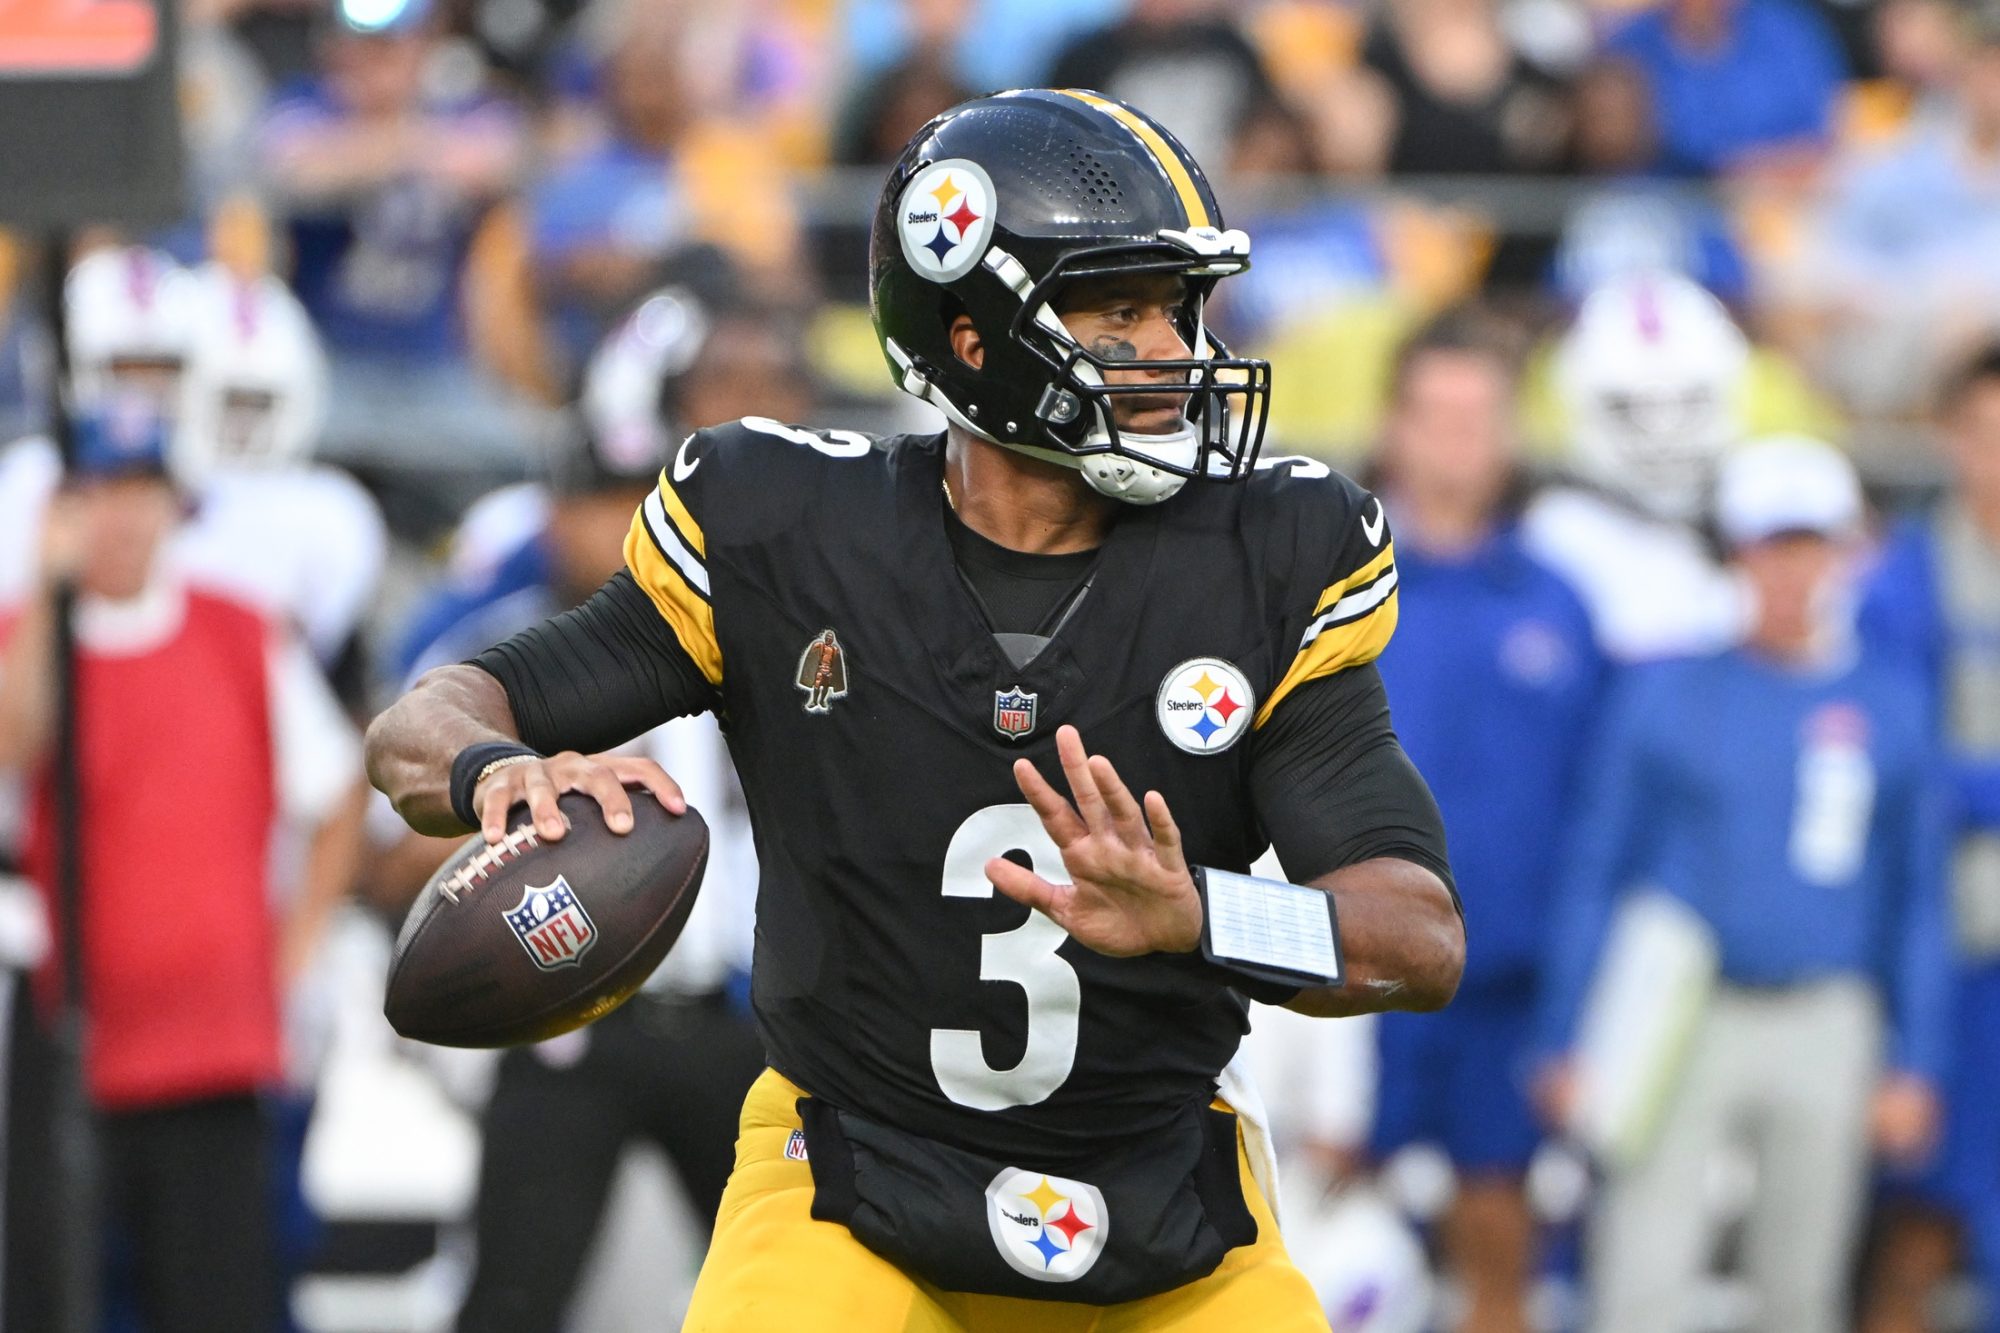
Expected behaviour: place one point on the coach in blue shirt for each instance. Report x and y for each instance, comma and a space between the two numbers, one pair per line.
1787, 792
1493, 678
1935, 598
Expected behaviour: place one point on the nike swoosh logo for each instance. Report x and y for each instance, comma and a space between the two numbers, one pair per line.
1372, 530
683, 466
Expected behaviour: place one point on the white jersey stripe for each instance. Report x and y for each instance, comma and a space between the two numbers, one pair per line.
1352, 606
672, 546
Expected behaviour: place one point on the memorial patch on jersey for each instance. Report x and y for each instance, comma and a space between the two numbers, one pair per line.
1046, 1227
1014, 712
822, 672
1205, 705
552, 925
945, 218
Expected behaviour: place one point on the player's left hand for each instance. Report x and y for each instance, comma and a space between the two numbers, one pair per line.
1130, 891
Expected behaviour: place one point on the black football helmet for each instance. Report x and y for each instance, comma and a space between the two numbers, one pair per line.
991, 209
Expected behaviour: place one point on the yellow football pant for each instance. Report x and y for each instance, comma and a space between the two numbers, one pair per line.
772, 1269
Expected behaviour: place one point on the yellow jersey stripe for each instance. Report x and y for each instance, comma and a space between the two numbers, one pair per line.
677, 549
683, 520
1359, 578
1336, 649
1170, 161
683, 606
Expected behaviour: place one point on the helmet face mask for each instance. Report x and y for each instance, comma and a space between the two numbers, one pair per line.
1649, 373
256, 391
999, 207
1226, 398
130, 330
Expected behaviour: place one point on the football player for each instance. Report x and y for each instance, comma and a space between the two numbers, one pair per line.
304, 541
128, 310
978, 1117
1650, 373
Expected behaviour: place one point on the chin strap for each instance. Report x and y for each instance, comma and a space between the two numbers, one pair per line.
1128, 480
1121, 477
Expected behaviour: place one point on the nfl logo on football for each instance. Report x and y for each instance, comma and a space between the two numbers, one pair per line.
552, 925
1014, 712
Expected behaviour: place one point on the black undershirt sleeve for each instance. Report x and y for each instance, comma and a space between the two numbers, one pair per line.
594, 677
1333, 786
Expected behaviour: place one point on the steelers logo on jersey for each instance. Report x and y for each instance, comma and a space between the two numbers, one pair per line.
946, 219
1205, 705
1047, 1227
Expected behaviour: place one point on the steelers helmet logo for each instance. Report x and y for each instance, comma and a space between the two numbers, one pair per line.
1205, 705
1046, 1227
946, 219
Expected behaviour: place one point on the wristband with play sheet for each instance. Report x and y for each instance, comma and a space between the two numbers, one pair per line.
1267, 931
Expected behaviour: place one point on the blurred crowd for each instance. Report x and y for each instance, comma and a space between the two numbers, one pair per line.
465, 193
1667, 333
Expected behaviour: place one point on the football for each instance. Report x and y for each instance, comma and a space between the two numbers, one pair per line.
526, 939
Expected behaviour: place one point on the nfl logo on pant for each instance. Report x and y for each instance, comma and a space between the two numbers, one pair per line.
1014, 712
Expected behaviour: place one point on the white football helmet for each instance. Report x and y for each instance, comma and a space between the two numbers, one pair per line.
621, 386
1650, 374
130, 312
1364, 1260
255, 394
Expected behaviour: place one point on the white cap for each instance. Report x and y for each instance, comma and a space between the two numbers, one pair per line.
1786, 483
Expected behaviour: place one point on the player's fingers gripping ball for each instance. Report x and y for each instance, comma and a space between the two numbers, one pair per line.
540, 782
526, 938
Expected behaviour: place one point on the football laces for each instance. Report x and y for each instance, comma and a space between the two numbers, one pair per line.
518, 843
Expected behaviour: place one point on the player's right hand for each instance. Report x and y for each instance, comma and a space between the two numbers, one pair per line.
540, 781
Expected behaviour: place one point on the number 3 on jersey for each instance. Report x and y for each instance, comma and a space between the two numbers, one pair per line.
1025, 956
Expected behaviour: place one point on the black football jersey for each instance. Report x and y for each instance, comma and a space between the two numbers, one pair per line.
874, 721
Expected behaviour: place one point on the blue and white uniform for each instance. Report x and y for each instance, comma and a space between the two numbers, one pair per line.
1495, 679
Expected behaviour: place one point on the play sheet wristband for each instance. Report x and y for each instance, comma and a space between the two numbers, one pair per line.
1268, 931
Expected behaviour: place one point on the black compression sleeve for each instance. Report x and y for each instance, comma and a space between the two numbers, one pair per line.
1333, 786
594, 677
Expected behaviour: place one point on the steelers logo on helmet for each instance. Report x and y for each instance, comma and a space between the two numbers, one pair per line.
1049, 1228
1205, 705
945, 219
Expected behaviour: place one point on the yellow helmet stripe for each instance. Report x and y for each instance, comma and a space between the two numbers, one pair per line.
1170, 161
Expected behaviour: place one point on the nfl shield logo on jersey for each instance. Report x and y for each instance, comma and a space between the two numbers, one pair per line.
552, 925
1014, 712
1046, 1227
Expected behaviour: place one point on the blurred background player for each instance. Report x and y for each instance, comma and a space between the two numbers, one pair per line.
185, 955
1650, 372
227, 358
1495, 678
670, 1067
1935, 597
303, 540
1787, 792
130, 326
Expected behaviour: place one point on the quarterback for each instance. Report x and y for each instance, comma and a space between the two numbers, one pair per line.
1015, 706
